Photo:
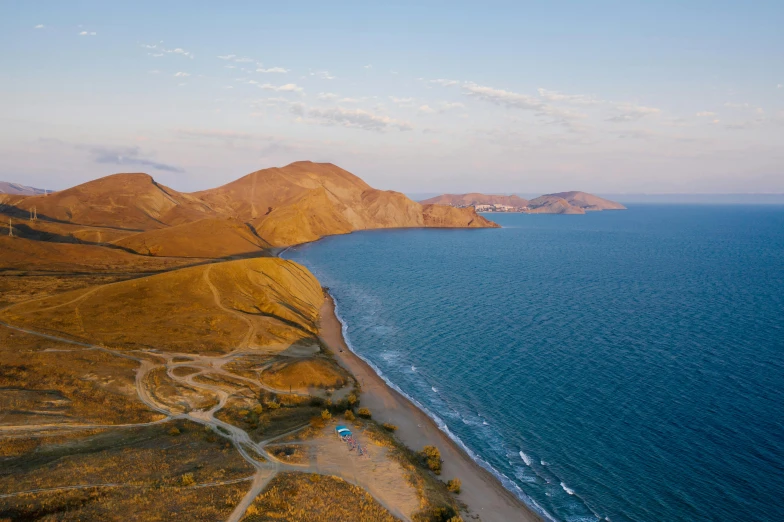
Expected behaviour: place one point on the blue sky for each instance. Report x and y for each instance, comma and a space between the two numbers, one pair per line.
657, 97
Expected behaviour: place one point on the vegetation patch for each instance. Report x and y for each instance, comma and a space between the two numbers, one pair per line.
305, 497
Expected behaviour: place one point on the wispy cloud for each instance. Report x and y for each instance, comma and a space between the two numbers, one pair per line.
443, 82
163, 50
501, 97
632, 112
272, 70
181, 74
351, 118
237, 59
327, 96
39, 26
426, 109
324, 75
402, 102
128, 156
577, 99
705, 114
87, 33
367, 66
289, 87
214, 134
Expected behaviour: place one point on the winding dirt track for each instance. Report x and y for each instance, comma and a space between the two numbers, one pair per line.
265, 470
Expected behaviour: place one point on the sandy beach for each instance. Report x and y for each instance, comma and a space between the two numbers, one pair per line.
482, 493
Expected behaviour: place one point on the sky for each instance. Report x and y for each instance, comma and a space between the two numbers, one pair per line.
527, 97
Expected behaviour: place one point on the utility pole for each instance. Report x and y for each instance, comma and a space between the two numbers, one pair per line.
10, 228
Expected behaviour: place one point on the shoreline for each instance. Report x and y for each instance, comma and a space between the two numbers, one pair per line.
482, 492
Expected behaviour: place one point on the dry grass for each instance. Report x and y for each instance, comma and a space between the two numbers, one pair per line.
148, 504
291, 453
263, 422
177, 397
303, 497
16, 287
301, 374
71, 385
276, 301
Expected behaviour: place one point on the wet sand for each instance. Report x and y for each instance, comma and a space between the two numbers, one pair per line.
481, 492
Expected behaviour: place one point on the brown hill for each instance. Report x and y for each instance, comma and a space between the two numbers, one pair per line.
475, 198
251, 303
130, 201
588, 202
552, 204
205, 238
304, 201
297, 203
28, 255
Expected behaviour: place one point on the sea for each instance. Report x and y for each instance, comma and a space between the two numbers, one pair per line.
618, 365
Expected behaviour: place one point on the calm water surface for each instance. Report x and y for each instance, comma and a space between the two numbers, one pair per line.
617, 365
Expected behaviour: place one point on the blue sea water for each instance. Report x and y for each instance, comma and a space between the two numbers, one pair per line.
618, 365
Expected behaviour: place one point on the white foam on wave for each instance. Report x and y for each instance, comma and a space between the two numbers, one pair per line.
413, 368
435, 390
567, 489
525, 458
505, 481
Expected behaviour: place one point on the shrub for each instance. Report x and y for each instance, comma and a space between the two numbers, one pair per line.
326, 415
364, 413
174, 432
349, 415
352, 399
389, 427
454, 485
188, 480
432, 458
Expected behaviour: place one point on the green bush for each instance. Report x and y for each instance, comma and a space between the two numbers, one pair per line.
454, 485
432, 458
187, 480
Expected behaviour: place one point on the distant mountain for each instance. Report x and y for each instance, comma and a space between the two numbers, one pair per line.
273, 207
588, 202
19, 190
474, 198
560, 203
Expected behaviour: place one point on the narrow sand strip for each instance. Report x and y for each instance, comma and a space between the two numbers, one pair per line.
481, 491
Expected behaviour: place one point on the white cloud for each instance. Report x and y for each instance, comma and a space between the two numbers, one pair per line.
273, 70
230, 66
426, 109
501, 97
401, 100
780, 86
632, 112
324, 75
181, 74
578, 99
149, 46
705, 114
352, 118
447, 106
214, 134
155, 55
367, 66
289, 87
244, 59
39, 26
179, 51
732, 105
154, 71
227, 57
444, 83
327, 96
87, 33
